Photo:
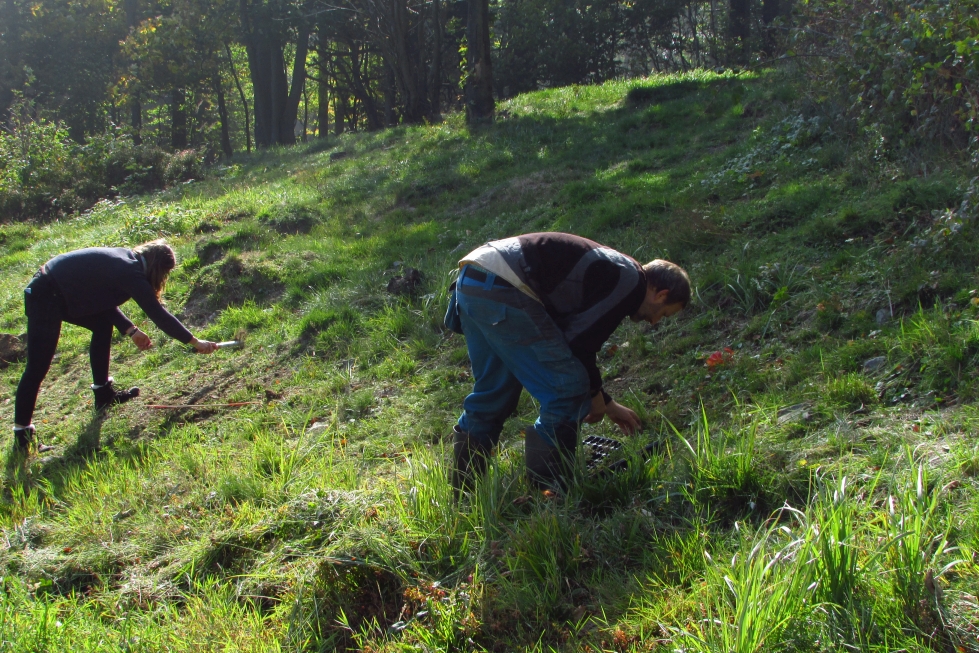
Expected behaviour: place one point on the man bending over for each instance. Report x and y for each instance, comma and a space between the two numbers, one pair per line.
535, 310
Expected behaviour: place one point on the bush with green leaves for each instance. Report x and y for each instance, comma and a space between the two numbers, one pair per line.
43, 172
35, 163
905, 71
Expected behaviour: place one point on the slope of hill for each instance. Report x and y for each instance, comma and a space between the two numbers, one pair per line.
816, 487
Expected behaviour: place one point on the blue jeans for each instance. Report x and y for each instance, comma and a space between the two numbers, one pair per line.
514, 344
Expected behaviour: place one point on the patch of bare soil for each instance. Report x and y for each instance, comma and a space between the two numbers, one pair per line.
408, 283
12, 349
231, 282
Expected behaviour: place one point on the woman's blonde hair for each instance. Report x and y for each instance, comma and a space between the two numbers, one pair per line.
159, 260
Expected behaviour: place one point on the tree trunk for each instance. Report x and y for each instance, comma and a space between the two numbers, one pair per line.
323, 99
739, 26
280, 128
357, 77
136, 119
305, 113
435, 82
223, 117
405, 54
178, 120
131, 7
11, 67
291, 109
771, 10
479, 84
266, 64
388, 86
339, 110
259, 66
244, 100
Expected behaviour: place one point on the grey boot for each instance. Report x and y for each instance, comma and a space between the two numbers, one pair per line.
468, 460
552, 467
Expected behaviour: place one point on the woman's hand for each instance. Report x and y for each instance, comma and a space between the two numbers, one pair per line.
141, 340
204, 346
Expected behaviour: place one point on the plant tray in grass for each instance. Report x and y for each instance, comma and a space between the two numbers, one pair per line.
600, 449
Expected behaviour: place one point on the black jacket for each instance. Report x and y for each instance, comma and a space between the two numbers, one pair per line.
99, 279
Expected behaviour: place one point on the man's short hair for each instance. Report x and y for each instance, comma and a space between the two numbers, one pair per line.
663, 275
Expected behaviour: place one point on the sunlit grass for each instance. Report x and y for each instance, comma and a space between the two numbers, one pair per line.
799, 499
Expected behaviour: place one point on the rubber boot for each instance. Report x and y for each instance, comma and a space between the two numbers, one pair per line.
23, 437
469, 457
107, 395
552, 468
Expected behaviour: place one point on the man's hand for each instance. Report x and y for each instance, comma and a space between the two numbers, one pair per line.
204, 346
141, 340
625, 418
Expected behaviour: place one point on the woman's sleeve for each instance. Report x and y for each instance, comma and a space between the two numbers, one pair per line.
120, 321
161, 317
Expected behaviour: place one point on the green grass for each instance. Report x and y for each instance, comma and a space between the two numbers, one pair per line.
801, 500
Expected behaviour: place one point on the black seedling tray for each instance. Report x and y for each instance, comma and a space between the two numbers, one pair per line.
599, 449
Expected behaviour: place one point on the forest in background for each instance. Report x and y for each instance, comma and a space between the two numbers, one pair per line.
103, 98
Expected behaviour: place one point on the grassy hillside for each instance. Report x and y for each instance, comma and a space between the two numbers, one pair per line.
818, 483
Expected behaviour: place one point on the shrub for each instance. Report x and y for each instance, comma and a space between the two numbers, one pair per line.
905, 71
851, 390
183, 166
35, 163
44, 173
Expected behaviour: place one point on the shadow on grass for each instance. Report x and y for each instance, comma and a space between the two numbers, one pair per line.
28, 471
89, 439
24, 471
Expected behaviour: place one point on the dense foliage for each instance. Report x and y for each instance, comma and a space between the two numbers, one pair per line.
218, 76
43, 172
907, 73
145, 78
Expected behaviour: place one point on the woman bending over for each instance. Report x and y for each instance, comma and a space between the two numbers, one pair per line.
86, 287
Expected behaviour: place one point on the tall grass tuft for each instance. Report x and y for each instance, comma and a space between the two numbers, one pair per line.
919, 531
751, 601
723, 473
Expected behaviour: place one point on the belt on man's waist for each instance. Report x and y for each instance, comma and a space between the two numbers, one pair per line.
479, 277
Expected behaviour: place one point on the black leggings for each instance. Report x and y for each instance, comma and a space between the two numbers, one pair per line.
45, 309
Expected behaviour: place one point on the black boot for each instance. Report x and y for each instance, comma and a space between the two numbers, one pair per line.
469, 457
551, 467
23, 437
107, 395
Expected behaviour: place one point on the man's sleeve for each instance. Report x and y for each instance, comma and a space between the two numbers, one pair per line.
589, 360
120, 321
144, 296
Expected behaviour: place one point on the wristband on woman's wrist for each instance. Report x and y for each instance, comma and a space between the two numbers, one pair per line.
132, 330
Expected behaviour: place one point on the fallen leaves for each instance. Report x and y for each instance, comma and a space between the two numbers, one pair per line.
718, 358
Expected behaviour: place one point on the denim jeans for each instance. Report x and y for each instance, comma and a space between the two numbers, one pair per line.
514, 344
